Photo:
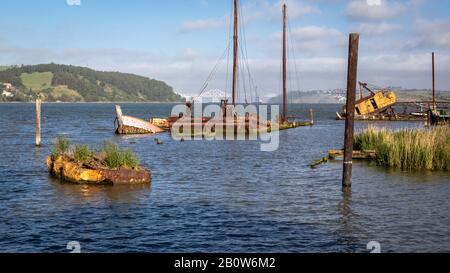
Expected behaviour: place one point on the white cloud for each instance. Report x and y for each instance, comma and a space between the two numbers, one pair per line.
255, 10
74, 2
203, 24
295, 9
189, 54
313, 38
373, 2
366, 10
432, 33
378, 28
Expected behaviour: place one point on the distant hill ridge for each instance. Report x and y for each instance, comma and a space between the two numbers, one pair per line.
66, 83
339, 96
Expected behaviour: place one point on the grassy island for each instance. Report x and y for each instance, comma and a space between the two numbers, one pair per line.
109, 165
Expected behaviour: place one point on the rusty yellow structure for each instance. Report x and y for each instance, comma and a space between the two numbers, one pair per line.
69, 170
375, 103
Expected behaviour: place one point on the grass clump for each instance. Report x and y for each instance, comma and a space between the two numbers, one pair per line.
109, 156
408, 149
82, 153
61, 147
116, 158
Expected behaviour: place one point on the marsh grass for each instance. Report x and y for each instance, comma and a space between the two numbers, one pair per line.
116, 158
408, 149
109, 155
82, 153
61, 147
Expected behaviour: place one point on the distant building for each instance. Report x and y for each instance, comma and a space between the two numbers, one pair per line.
7, 94
188, 98
211, 96
7, 86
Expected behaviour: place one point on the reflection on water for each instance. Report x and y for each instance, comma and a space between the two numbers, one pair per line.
348, 222
219, 196
95, 194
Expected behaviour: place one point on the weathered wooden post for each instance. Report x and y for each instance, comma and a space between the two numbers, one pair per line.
38, 122
311, 115
119, 120
350, 110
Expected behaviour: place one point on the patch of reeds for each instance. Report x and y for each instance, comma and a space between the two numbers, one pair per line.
408, 149
116, 158
110, 155
82, 153
61, 146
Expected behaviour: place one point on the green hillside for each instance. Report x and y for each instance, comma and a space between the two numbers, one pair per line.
37, 81
79, 84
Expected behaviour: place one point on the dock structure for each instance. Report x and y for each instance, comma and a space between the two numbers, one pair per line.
438, 117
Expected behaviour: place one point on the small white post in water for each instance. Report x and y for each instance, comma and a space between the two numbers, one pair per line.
38, 122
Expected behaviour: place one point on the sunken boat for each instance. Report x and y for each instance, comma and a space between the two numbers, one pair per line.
127, 125
228, 118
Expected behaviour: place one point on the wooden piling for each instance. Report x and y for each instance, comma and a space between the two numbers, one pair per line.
350, 109
434, 83
38, 122
119, 119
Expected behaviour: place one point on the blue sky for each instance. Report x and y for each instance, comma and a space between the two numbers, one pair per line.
179, 41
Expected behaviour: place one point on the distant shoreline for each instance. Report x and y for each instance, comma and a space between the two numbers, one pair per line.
32, 102
107, 102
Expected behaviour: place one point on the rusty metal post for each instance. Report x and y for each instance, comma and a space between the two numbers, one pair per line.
434, 83
352, 75
38, 122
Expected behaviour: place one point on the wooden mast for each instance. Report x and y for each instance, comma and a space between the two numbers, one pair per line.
284, 118
434, 83
235, 51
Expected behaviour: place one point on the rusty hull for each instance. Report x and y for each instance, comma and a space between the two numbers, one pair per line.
68, 170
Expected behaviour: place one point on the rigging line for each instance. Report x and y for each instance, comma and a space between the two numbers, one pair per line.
242, 72
214, 70
230, 39
228, 73
290, 58
241, 52
297, 76
245, 68
280, 76
245, 50
289, 68
242, 80
243, 85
